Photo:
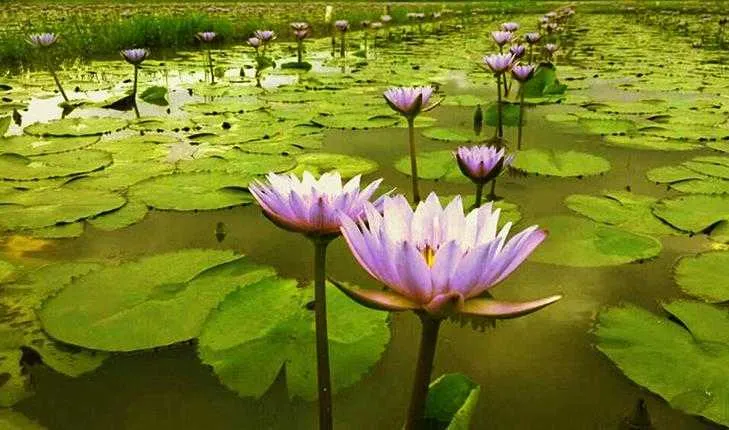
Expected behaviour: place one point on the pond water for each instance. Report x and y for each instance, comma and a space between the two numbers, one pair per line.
542, 371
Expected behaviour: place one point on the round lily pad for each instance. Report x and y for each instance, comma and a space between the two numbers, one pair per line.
434, 165
560, 163
578, 242
163, 300
702, 186
671, 174
21, 168
193, 191
348, 166
607, 126
704, 275
33, 145
652, 143
355, 120
130, 213
263, 327
87, 126
694, 213
237, 105
449, 134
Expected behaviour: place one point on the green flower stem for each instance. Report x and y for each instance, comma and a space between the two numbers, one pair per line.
413, 160
365, 43
134, 90
322, 339
479, 195
52, 71
342, 46
210, 63
499, 122
521, 115
492, 193
428, 342
531, 54
300, 51
334, 40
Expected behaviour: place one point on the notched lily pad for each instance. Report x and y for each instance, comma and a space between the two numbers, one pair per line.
87, 126
560, 163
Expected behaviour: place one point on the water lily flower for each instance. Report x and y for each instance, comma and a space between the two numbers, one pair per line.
206, 36
365, 23
482, 164
499, 63
315, 207
376, 25
522, 72
301, 34
437, 15
501, 37
517, 51
385, 19
409, 102
510, 26
265, 36
342, 25
42, 39
532, 38
135, 56
437, 262
254, 42
543, 20
299, 26
550, 49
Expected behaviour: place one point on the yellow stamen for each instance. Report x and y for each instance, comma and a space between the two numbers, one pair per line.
429, 255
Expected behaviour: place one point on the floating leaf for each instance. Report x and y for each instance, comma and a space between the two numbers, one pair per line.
578, 242
671, 174
685, 361
560, 163
607, 126
355, 121
451, 402
193, 191
11, 420
449, 134
704, 275
164, 299
131, 213
652, 143
262, 327
238, 105
320, 162
32, 145
155, 95
20, 168
88, 126
694, 213
434, 165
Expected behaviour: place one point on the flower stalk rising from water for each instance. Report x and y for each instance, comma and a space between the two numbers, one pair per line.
482, 164
207, 38
522, 74
313, 208
499, 64
439, 263
410, 102
301, 31
135, 57
343, 26
44, 41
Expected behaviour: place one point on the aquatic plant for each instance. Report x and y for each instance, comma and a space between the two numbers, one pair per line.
43, 41
439, 263
410, 102
532, 39
135, 57
301, 31
343, 26
266, 37
313, 208
509, 26
366, 25
499, 64
501, 38
521, 73
482, 164
549, 50
207, 38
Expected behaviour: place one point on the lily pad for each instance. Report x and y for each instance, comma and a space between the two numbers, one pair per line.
671, 174
685, 359
434, 165
11, 420
263, 327
19, 168
131, 213
32, 145
237, 105
578, 242
355, 121
631, 212
652, 143
449, 134
163, 300
695, 213
88, 126
705, 275
451, 401
155, 95
608, 126
193, 191
319, 163
560, 163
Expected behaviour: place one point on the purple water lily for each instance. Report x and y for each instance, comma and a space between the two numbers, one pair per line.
206, 36
437, 262
501, 37
365, 24
510, 26
135, 56
522, 72
42, 40
481, 164
499, 63
342, 25
532, 38
311, 206
301, 34
550, 49
254, 42
299, 26
265, 36
517, 51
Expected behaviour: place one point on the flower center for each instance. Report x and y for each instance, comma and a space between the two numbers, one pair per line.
429, 254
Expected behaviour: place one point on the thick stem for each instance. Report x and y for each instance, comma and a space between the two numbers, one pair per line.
300, 50
479, 195
521, 116
322, 339
499, 123
342, 47
334, 41
134, 90
210, 63
413, 160
365, 44
531, 54
52, 70
492, 193
428, 341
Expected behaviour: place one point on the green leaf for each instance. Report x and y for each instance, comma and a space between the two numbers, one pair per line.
578, 242
451, 401
87, 126
685, 361
7, 271
261, 327
34, 145
163, 300
193, 191
434, 165
704, 275
694, 213
509, 112
5, 122
155, 95
544, 83
631, 212
131, 213
607, 126
320, 162
355, 120
560, 163
449, 134
20, 168
651, 143
11, 420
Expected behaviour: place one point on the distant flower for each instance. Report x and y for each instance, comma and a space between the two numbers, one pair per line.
342, 25
365, 24
532, 38
385, 19
543, 20
299, 26
517, 51
550, 15
135, 56
437, 15
312, 206
411, 15
501, 37
522, 73
481, 164
42, 39
301, 34
510, 26
499, 63
420, 16
409, 101
254, 42
206, 36
551, 48
265, 36
376, 25
552, 27
437, 260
